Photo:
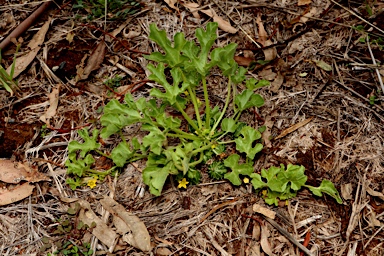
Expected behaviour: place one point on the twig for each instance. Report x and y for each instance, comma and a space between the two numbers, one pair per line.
306, 241
216, 208
289, 236
24, 25
375, 64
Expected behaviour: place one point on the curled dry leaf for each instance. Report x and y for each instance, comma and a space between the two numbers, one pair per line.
171, 3
93, 62
102, 232
223, 24
264, 211
23, 62
269, 53
14, 173
132, 229
132, 33
265, 245
9, 196
193, 8
244, 61
53, 103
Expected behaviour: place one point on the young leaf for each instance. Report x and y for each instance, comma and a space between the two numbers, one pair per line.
88, 145
248, 99
228, 125
239, 76
78, 166
172, 55
275, 182
253, 84
155, 178
121, 153
327, 187
244, 143
154, 139
257, 182
295, 175
223, 58
232, 162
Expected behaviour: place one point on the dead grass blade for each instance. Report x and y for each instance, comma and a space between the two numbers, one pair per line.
293, 128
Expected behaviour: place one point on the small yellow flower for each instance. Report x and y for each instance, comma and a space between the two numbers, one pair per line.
92, 182
198, 101
183, 183
213, 146
246, 180
264, 192
186, 92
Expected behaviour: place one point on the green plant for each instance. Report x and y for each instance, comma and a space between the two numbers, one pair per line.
6, 80
280, 183
180, 147
117, 9
171, 147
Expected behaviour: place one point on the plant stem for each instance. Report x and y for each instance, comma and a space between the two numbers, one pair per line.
202, 149
198, 161
102, 153
192, 93
185, 115
224, 109
207, 105
178, 131
189, 136
226, 142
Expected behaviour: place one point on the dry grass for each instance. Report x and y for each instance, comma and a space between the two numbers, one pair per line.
343, 143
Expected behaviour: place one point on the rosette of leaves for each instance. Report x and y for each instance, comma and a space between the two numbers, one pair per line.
171, 147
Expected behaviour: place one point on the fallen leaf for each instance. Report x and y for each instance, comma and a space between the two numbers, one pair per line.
93, 62
14, 173
375, 193
347, 191
223, 24
171, 3
277, 83
53, 103
9, 196
102, 232
193, 8
323, 65
303, 2
267, 73
293, 128
132, 229
162, 251
264, 211
23, 62
264, 240
244, 61
269, 53
313, 12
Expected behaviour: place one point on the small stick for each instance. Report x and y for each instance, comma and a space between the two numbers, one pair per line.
289, 236
306, 241
24, 25
374, 63
216, 208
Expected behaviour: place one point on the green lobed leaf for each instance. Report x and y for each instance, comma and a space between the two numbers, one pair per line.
223, 58
89, 143
248, 99
239, 75
155, 177
244, 142
295, 175
257, 182
78, 167
232, 162
327, 187
253, 84
274, 182
121, 153
154, 139
228, 125
172, 54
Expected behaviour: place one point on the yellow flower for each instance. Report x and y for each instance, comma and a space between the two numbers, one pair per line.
92, 182
183, 183
213, 146
246, 180
264, 192
186, 92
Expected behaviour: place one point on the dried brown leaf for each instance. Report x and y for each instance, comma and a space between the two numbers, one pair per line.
9, 196
193, 8
223, 24
53, 103
14, 173
265, 245
129, 225
269, 53
104, 233
171, 3
23, 62
244, 61
303, 2
93, 62
264, 211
